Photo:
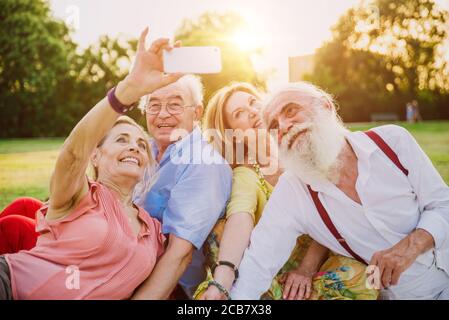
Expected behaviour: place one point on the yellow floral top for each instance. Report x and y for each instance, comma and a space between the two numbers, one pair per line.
339, 278
249, 193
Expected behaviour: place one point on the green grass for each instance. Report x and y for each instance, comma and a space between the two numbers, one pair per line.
26, 164
25, 167
433, 137
29, 145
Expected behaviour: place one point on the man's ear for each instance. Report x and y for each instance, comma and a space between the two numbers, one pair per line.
329, 105
199, 112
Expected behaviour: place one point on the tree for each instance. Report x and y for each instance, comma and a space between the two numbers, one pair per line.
384, 54
92, 72
33, 57
213, 29
46, 82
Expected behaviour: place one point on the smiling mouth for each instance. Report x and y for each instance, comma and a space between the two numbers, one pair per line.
165, 126
295, 137
132, 160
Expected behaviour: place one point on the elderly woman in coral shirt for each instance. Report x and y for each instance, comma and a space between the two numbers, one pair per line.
94, 242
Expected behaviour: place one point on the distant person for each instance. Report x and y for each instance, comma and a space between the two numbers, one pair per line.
416, 114
409, 112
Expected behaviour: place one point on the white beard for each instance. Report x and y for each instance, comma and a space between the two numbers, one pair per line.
314, 156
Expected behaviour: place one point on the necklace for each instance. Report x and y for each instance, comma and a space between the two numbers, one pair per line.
262, 180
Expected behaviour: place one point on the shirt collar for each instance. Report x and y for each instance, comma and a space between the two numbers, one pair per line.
363, 148
192, 137
361, 144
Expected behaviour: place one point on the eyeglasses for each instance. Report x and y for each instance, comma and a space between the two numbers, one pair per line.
173, 108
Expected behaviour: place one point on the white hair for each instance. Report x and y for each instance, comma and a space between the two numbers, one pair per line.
315, 156
302, 93
191, 83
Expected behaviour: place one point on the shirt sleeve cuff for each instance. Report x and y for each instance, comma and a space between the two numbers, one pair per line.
187, 235
436, 226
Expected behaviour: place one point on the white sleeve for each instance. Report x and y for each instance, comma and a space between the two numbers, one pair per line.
431, 191
271, 244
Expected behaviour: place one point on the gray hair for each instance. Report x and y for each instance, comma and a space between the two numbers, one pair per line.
191, 83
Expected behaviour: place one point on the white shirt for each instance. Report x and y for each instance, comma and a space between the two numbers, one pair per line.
393, 205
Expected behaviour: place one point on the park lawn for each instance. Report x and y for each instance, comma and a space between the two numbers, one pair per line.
25, 167
432, 136
26, 164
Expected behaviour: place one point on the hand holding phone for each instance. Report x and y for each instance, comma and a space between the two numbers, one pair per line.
200, 60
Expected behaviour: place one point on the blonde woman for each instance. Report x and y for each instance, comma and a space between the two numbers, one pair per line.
237, 108
233, 119
94, 242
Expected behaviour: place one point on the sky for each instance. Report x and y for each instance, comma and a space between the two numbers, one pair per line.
283, 28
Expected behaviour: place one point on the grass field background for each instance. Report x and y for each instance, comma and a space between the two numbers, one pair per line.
26, 164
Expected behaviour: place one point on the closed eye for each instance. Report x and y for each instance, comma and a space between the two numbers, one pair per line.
291, 111
143, 146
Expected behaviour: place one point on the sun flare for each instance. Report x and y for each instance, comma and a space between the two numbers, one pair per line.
246, 40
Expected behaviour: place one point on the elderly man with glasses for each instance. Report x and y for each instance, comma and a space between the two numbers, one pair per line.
190, 192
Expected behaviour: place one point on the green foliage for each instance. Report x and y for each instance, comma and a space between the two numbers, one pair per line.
385, 54
46, 82
33, 54
92, 72
213, 29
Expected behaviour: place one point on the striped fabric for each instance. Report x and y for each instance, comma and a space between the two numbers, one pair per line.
90, 254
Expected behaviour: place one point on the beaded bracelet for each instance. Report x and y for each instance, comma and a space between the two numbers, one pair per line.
228, 264
220, 288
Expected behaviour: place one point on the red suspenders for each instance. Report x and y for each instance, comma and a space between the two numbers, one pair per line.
322, 211
329, 224
387, 150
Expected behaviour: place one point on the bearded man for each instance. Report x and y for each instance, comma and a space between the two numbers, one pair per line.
373, 196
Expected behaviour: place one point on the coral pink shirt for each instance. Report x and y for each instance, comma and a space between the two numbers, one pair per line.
90, 254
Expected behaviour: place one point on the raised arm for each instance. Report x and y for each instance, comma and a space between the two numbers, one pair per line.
68, 183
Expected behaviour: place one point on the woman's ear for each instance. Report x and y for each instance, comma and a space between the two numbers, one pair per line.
95, 157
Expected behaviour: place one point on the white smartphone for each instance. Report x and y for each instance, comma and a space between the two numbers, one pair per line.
200, 60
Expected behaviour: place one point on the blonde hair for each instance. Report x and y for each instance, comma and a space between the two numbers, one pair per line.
214, 115
130, 121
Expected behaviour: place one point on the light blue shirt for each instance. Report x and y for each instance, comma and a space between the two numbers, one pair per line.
191, 192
